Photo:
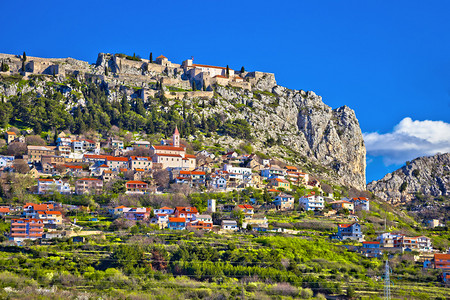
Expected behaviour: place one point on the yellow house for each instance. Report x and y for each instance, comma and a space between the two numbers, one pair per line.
280, 183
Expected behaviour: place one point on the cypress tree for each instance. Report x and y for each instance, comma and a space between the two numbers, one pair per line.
242, 69
194, 86
24, 59
228, 71
204, 85
106, 71
151, 57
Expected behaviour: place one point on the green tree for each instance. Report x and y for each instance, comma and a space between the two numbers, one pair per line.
106, 71
403, 187
228, 71
194, 85
351, 292
151, 57
242, 69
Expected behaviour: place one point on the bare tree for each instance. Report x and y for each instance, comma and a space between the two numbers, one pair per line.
17, 148
21, 166
326, 188
114, 130
128, 137
139, 151
15, 130
35, 140
162, 178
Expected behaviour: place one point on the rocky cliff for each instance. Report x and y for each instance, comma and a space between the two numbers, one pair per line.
323, 141
424, 175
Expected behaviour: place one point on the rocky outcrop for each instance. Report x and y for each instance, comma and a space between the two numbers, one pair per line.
426, 175
308, 128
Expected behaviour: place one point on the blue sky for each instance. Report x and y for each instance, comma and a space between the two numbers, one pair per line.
387, 60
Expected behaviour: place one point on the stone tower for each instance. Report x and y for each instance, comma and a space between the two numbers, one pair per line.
176, 138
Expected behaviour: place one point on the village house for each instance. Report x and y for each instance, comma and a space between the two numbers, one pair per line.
140, 162
349, 232
284, 202
35, 153
217, 182
141, 144
371, 249
360, 203
138, 214
88, 185
50, 186
52, 159
164, 210
230, 225
136, 187
273, 172
4, 211
442, 261
51, 219
161, 220
176, 223
191, 177
26, 228
419, 243
277, 183
115, 163
30, 209
189, 213
119, 210
201, 222
312, 202
342, 204
10, 137
247, 209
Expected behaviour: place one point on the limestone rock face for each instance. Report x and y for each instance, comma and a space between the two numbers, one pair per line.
331, 138
426, 175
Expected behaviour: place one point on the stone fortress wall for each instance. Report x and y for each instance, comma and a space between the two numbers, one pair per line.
116, 70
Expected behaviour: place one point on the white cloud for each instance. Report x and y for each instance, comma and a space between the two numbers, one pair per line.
408, 140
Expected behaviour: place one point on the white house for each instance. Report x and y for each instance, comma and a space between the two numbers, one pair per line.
229, 225
164, 210
46, 186
312, 202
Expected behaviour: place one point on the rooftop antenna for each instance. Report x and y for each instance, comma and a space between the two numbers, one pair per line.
387, 281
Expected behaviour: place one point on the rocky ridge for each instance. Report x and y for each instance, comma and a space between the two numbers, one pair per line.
428, 175
310, 132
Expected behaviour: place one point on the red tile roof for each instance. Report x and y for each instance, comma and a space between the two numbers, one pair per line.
4, 209
73, 167
86, 179
246, 206
161, 147
96, 156
182, 209
171, 155
10, 133
112, 158
178, 220
189, 156
441, 256
372, 243
135, 182
220, 76
344, 225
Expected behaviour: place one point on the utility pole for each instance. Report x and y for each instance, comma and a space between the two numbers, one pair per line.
387, 281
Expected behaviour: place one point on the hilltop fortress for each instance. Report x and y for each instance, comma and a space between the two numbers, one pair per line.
142, 77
